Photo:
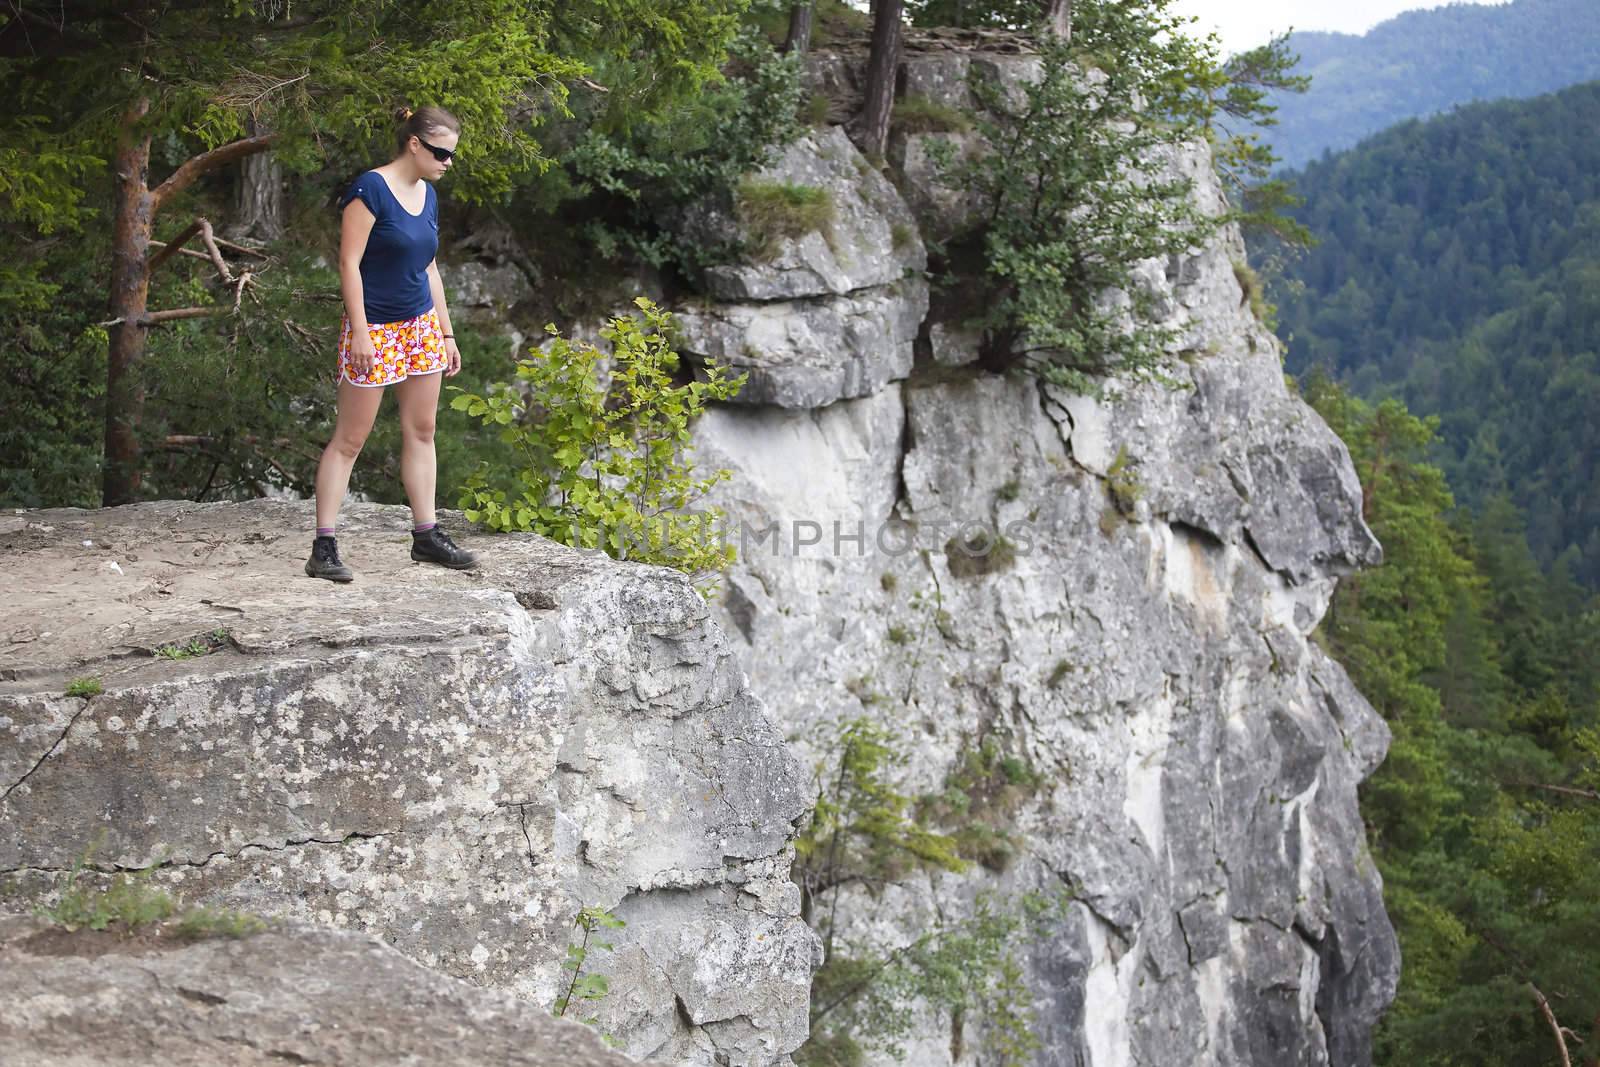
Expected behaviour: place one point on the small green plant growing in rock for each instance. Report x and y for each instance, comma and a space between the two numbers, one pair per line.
200, 923
1059, 672
814, 112
1122, 481
899, 635
192, 648
982, 793
591, 987
901, 235
778, 211
84, 687
1255, 294
888, 582
129, 901
1009, 491
981, 553
865, 835
918, 114
601, 461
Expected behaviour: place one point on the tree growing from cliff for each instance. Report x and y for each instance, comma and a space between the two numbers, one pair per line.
180, 88
1081, 181
1077, 187
864, 836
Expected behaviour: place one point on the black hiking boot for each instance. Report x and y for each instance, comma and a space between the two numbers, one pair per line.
325, 561
435, 546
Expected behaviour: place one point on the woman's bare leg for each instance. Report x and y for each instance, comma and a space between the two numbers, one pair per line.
418, 397
358, 408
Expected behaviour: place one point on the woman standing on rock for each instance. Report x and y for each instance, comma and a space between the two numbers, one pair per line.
390, 282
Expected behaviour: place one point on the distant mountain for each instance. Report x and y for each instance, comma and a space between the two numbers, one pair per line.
1460, 269
1424, 62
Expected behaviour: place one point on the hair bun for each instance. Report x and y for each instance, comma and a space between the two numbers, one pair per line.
403, 114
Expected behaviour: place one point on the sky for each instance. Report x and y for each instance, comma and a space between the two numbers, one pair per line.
1246, 23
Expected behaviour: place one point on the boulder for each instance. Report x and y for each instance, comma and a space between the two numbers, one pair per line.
455, 761
297, 993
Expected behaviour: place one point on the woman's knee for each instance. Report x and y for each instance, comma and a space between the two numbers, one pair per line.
347, 446
418, 430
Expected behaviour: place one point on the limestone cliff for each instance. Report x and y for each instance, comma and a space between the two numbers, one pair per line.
1143, 640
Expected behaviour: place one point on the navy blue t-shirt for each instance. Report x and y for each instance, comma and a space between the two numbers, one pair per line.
394, 267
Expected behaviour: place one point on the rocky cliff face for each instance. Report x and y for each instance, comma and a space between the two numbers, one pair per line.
459, 764
456, 762
1141, 639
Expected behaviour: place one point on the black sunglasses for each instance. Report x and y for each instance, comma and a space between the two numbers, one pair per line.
443, 155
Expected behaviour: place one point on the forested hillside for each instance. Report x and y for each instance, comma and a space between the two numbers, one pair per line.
1459, 267
1423, 62
1482, 819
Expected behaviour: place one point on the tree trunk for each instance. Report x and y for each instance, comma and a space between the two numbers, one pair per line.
130, 292
882, 66
1058, 19
258, 205
799, 39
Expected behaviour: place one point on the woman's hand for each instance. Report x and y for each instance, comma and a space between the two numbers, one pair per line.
454, 355
362, 352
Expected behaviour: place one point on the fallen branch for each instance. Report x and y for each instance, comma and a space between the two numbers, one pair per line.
156, 318
216, 253
168, 250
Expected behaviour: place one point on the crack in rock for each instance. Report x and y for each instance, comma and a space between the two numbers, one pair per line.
122, 868
48, 752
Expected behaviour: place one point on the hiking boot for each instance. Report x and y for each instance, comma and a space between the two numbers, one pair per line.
325, 561
435, 546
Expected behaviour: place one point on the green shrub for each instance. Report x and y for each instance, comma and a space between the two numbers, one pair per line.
603, 464
1265, 312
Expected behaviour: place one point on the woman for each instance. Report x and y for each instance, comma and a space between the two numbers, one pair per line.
390, 281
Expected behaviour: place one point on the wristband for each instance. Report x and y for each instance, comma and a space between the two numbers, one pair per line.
451, 336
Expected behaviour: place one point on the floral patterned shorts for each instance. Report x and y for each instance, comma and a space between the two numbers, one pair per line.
415, 346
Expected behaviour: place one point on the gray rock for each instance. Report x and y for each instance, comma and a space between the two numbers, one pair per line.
1200, 755
946, 79
808, 353
417, 755
873, 240
479, 285
293, 994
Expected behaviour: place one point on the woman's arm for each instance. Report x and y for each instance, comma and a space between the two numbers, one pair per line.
354, 229
436, 286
